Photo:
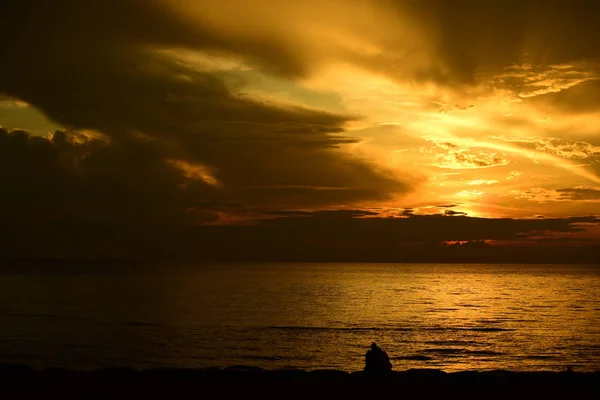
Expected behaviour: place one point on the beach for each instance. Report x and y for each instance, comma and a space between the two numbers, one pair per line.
23, 381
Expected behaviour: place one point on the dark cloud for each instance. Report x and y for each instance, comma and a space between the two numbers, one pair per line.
468, 37
353, 235
581, 98
561, 240
327, 215
117, 27
95, 199
93, 66
67, 195
354, 227
579, 193
454, 213
475, 37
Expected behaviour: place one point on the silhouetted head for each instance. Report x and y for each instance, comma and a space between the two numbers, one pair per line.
373, 346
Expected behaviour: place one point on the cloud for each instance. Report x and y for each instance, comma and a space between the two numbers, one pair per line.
350, 235
424, 41
513, 175
8, 102
477, 182
207, 116
542, 195
534, 32
580, 193
195, 171
462, 160
470, 193
64, 196
565, 148
462, 156
67, 196
528, 81
454, 213
98, 196
102, 66
581, 98
282, 38
573, 149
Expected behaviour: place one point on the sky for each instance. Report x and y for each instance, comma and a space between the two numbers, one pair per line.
361, 130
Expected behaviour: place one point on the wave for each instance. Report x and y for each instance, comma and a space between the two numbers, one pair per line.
413, 358
452, 342
484, 352
264, 358
349, 329
467, 305
486, 329
444, 351
473, 329
393, 329
275, 358
537, 357
463, 351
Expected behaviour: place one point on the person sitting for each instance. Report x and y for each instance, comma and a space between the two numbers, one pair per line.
377, 360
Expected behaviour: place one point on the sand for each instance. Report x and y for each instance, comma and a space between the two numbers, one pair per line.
21, 381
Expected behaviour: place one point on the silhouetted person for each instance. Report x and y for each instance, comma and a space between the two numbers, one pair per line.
377, 360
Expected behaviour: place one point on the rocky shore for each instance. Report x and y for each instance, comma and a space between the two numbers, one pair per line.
25, 382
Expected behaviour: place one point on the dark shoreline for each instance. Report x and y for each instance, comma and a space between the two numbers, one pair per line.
26, 382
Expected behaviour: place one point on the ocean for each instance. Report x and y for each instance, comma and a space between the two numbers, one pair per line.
452, 317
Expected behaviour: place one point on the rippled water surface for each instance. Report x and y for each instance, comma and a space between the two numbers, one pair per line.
447, 316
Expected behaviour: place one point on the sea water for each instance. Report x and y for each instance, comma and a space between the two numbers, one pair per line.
309, 316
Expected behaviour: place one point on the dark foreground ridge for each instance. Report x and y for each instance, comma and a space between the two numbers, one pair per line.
22, 381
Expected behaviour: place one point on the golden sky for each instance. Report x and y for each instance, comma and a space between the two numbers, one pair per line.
239, 111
